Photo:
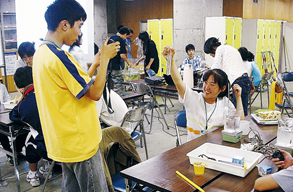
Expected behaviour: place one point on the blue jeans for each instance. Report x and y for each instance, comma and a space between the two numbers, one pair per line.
85, 176
245, 84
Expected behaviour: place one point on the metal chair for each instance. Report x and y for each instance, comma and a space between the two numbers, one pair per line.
134, 119
180, 121
263, 86
141, 88
287, 103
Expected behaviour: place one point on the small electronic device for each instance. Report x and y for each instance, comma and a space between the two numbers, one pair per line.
278, 154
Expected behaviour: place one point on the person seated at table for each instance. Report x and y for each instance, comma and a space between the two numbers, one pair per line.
195, 60
26, 51
282, 179
204, 111
26, 111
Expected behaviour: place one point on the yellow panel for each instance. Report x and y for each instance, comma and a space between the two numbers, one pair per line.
259, 62
237, 32
154, 32
229, 31
266, 35
277, 35
272, 35
166, 39
260, 31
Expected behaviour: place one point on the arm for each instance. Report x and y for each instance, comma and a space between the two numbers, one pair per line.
237, 91
95, 64
139, 60
123, 56
180, 85
150, 64
266, 182
107, 52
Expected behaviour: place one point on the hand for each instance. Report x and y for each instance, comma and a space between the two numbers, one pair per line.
109, 51
286, 163
237, 90
167, 51
97, 59
147, 67
130, 65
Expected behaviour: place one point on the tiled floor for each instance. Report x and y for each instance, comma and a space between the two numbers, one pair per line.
159, 140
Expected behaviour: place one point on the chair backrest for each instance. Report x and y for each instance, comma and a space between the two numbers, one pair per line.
141, 88
180, 118
133, 118
282, 85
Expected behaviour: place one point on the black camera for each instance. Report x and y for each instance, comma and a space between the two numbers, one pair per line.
278, 154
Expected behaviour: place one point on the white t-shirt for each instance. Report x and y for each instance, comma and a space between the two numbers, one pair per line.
196, 116
4, 96
230, 61
248, 67
284, 178
119, 107
77, 53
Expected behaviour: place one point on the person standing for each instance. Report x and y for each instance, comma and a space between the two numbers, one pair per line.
150, 53
65, 97
128, 43
114, 66
229, 60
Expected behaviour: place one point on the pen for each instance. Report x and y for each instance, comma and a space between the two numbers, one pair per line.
15, 99
193, 184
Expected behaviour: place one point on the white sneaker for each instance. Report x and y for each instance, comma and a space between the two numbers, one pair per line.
44, 170
33, 179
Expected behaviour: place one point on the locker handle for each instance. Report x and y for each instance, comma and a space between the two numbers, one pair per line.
234, 37
162, 37
226, 37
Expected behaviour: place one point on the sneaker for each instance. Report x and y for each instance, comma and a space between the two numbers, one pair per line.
33, 179
44, 170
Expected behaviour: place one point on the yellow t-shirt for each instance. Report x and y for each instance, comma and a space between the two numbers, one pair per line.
69, 119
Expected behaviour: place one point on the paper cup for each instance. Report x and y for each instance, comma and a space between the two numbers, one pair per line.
245, 127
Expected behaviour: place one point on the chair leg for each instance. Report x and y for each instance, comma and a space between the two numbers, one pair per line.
47, 177
144, 139
260, 97
268, 96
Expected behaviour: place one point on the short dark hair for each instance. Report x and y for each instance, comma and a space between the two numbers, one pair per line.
250, 56
59, 10
189, 47
210, 44
131, 31
244, 53
119, 27
220, 77
26, 48
144, 36
124, 30
23, 76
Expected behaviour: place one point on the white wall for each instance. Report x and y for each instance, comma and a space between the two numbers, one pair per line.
288, 31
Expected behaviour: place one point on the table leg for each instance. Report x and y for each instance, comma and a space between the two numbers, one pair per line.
127, 185
14, 159
2, 182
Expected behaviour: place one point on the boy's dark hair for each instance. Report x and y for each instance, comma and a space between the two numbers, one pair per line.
220, 77
124, 30
131, 31
144, 36
23, 76
119, 27
26, 48
244, 53
250, 56
59, 10
210, 44
189, 47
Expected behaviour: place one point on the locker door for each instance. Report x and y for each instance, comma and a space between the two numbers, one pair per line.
166, 39
154, 32
229, 31
272, 36
266, 35
259, 45
277, 42
237, 33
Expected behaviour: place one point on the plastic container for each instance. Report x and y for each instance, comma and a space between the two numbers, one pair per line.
130, 75
224, 154
244, 127
199, 168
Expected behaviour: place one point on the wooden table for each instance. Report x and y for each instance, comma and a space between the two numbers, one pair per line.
159, 172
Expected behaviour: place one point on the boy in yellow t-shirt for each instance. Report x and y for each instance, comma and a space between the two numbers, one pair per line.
65, 97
